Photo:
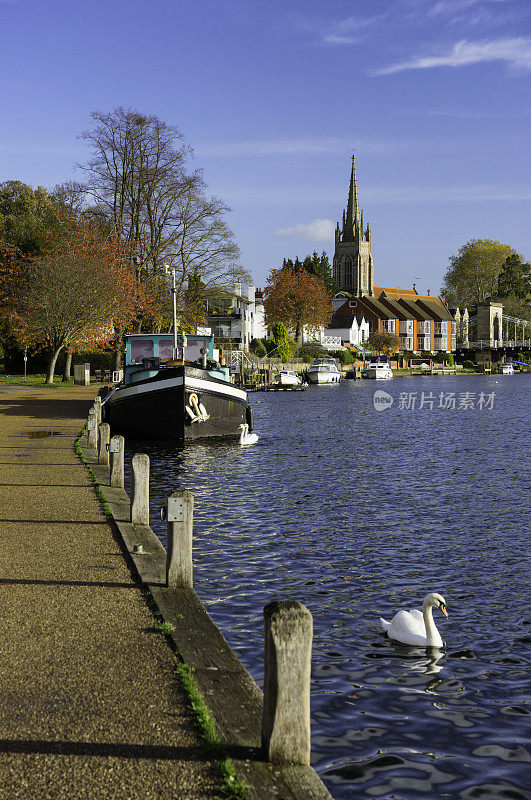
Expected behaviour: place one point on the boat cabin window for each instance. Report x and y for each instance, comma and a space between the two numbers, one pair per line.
141, 348
165, 348
193, 349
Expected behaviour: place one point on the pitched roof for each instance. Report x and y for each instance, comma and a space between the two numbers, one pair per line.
414, 308
401, 312
438, 310
395, 293
377, 308
343, 320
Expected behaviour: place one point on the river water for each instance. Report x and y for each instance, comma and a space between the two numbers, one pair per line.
357, 513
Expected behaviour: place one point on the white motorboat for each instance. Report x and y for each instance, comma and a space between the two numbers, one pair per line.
287, 377
506, 368
324, 370
379, 368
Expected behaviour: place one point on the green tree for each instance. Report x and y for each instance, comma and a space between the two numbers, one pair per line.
281, 341
514, 279
344, 356
26, 216
320, 265
258, 348
472, 275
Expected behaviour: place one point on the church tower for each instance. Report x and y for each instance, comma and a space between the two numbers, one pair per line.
352, 267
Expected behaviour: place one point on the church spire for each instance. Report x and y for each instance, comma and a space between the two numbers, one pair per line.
353, 207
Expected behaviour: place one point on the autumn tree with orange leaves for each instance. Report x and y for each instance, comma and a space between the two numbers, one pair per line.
73, 295
297, 299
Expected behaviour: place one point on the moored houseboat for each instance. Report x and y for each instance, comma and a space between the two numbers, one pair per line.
167, 398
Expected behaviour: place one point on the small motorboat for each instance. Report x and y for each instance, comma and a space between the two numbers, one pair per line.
324, 370
506, 368
379, 368
286, 377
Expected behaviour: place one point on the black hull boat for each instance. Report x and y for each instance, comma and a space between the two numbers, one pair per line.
182, 402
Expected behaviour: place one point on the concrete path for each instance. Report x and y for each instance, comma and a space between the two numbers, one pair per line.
89, 707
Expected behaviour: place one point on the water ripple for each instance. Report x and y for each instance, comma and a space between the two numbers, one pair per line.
357, 513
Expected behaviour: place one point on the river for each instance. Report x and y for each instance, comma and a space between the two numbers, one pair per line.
359, 512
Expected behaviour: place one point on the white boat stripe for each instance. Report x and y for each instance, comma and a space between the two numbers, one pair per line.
218, 388
130, 391
197, 384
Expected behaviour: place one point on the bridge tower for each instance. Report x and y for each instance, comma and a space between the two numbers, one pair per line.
489, 322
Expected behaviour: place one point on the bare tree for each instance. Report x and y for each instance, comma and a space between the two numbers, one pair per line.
139, 179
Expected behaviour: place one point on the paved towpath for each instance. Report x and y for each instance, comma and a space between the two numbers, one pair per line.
89, 707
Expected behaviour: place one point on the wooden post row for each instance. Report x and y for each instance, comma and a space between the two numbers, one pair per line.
140, 504
287, 669
180, 519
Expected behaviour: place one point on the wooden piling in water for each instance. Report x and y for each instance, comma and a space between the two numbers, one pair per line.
140, 504
288, 630
180, 519
117, 461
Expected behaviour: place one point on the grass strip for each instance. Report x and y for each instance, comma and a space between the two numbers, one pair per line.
233, 786
99, 494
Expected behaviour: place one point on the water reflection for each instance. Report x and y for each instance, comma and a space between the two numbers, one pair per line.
356, 514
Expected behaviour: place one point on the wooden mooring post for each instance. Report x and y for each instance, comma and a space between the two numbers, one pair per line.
97, 406
140, 504
92, 429
288, 628
117, 461
179, 510
103, 447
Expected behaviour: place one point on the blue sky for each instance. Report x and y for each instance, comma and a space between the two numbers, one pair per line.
434, 95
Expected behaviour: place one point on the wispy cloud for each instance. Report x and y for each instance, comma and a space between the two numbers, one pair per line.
320, 230
351, 30
450, 7
448, 112
313, 197
447, 194
516, 52
296, 146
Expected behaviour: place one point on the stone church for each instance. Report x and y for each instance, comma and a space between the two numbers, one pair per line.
352, 265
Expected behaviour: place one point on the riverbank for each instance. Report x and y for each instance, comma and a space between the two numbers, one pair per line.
230, 694
90, 703
94, 701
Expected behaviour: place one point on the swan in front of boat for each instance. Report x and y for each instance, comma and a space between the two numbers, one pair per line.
245, 436
416, 627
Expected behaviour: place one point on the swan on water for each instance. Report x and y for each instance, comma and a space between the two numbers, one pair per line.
417, 627
245, 436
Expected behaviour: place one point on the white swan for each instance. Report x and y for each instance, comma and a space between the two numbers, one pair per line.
245, 436
415, 627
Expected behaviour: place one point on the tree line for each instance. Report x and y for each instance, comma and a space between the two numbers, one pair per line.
85, 261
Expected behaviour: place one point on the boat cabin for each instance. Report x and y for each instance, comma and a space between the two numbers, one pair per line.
146, 354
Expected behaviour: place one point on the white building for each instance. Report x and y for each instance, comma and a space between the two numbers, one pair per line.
352, 330
237, 317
